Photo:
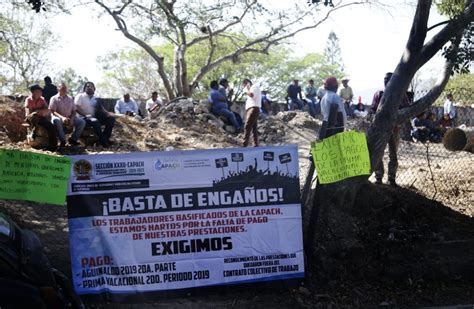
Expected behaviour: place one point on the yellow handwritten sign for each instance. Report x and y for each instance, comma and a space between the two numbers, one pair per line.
341, 156
33, 176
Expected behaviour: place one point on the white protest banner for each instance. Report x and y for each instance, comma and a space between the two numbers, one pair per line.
141, 223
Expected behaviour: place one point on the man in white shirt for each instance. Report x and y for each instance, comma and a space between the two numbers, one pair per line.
127, 106
346, 94
94, 115
331, 97
448, 108
154, 103
252, 111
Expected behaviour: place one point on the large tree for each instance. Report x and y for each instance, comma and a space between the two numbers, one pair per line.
24, 44
185, 24
332, 51
454, 37
134, 71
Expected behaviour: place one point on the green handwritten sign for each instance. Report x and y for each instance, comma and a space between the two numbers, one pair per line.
341, 156
33, 176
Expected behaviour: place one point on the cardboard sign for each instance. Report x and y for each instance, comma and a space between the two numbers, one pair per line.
285, 158
237, 157
341, 156
221, 163
33, 176
268, 156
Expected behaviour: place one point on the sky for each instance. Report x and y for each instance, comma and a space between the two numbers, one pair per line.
372, 40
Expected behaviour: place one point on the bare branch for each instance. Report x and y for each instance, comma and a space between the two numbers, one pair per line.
158, 58
226, 27
268, 41
445, 34
438, 24
212, 45
427, 100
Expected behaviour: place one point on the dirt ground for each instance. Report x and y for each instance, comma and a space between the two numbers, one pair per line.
399, 265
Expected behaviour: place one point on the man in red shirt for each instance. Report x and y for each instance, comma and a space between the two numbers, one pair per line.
38, 114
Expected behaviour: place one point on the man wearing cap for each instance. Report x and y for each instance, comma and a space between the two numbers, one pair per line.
37, 114
293, 92
64, 114
346, 95
331, 97
95, 115
393, 141
252, 111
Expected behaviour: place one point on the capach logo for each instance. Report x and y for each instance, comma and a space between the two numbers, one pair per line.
167, 163
82, 170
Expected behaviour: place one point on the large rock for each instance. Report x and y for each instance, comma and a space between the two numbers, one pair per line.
203, 107
304, 120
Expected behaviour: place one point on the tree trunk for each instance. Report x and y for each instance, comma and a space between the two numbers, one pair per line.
177, 73
186, 89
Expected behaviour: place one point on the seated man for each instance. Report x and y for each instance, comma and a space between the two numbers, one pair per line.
293, 92
95, 115
127, 106
64, 115
419, 130
359, 111
219, 105
310, 93
266, 104
154, 103
445, 124
37, 114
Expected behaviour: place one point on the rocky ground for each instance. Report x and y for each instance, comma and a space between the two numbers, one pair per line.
414, 248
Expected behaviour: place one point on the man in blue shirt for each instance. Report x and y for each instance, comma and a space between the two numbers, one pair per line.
219, 105
127, 106
293, 92
266, 107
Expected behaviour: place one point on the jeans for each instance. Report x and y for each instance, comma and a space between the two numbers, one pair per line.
393, 143
96, 124
229, 114
295, 101
251, 119
53, 140
313, 106
79, 125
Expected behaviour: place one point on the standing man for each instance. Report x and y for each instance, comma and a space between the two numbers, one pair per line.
252, 111
293, 92
153, 103
64, 115
448, 108
346, 95
95, 115
393, 141
37, 114
127, 106
49, 90
311, 92
331, 97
